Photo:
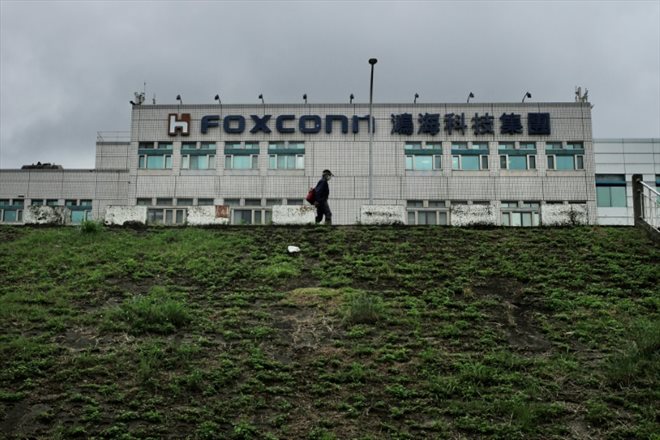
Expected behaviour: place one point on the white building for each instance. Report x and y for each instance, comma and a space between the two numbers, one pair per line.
500, 163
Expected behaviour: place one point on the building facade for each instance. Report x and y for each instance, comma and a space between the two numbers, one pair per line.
513, 164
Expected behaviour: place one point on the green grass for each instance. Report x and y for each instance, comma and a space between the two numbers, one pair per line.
368, 333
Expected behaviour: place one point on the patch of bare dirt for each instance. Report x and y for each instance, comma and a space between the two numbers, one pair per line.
516, 314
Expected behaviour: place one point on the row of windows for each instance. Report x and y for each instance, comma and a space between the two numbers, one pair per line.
232, 162
501, 145
46, 202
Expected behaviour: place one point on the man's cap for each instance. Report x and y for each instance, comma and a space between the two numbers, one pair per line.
328, 172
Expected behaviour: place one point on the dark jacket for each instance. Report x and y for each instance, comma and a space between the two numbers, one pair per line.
322, 191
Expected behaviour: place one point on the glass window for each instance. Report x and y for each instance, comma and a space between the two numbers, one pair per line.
484, 162
505, 146
459, 145
78, 217
156, 162
423, 162
144, 145
553, 145
189, 145
37, 202
86, 202
9, 215
528, 146
164, 145
155, 216
437, 204
252, 145
207, 145
273, 202
413, 146
252, 202
611, 196
532, 162
574, 146
70, 203
565, 162
143, 202
205, 202
518, 162
434, 145
233, 202
480, 145
4, 202
415, 204
470, 162
52, 202
503, 162
164, 202
297, 145
276, 145
184, 202
233, 145
509, 204
242, 217
551, 162
579, 162
241, 162
456, 162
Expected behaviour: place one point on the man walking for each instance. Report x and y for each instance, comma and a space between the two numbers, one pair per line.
322, 192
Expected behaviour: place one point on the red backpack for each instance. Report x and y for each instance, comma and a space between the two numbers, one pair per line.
311, 196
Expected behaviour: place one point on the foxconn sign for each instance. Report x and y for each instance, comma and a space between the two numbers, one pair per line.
284, 124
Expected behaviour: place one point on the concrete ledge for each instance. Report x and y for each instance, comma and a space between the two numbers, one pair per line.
564, 215
119, 215
46, 215
205, 215
473, 215
294, 215
382, 215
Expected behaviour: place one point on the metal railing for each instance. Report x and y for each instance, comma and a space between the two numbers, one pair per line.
649, 200
113, 136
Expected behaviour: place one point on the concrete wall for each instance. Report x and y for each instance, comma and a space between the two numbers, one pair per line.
294, 215
204, 216
564, 215
382, 215
473, 215
46, 215
120, 215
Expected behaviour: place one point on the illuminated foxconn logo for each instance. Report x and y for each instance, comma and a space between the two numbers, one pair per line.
176, 124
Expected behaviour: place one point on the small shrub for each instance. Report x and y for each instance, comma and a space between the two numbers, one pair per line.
641, 357
90, 227
363, 308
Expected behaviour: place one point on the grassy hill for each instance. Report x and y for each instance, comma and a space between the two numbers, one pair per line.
367, 333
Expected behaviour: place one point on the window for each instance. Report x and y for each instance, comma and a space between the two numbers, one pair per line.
164, 202
473, 158
553, 145
565, 162
241, 162
251, 213
207, 146
423, 157
574, 146
427, 212
611, 191
155, 156
52, 202
38, 202
469, 162
166, 216
188, 145
283, 156
11, 211
155, 162
143, 202
198, 161
184, 202
523, 214
518, 162
232, 202
240, 156
522, 158
205, 202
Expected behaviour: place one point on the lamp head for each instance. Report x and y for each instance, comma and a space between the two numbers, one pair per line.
372, 61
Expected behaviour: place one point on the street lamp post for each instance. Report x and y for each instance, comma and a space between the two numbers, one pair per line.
372, 61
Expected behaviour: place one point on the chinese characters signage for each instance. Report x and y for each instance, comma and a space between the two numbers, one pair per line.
454, 123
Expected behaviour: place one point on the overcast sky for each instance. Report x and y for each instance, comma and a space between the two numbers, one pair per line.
68, 69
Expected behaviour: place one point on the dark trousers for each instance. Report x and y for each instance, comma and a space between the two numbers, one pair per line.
322, 209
